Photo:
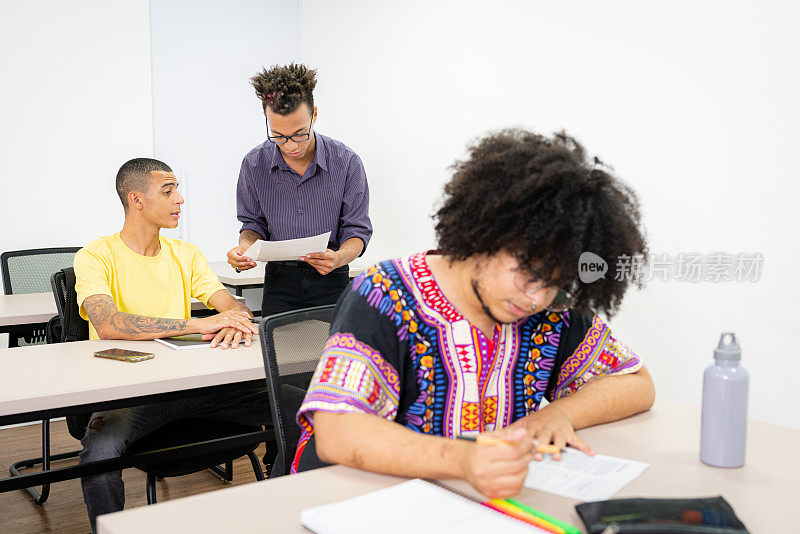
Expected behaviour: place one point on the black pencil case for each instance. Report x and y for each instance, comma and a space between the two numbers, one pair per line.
654, 516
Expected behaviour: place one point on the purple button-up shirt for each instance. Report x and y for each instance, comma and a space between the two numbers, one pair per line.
277, 203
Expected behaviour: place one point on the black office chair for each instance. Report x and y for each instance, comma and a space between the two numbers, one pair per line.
182, 433
292, 345
28, 271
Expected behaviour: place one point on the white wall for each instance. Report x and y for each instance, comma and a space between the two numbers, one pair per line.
694, 104
74, 105
206, 116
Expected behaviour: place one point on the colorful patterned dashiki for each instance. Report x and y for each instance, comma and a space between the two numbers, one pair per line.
398, 349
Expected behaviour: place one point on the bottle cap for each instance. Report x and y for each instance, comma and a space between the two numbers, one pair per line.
728, 348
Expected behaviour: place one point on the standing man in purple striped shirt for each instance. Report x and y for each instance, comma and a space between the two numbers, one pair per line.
300, 183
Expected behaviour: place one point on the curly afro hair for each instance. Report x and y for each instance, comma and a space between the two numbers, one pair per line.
541, 200
283, 88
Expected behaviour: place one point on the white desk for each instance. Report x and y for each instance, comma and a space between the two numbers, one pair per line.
252, 278
763, 493
47, 381
26, 309
48, 377
36, 308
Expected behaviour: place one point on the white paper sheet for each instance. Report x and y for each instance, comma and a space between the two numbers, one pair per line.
412, 506
290, 249
579, 476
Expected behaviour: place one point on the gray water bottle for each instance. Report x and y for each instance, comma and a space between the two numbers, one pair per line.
723, 428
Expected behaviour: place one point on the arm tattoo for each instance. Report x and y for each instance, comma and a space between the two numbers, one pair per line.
129, 323
101, 310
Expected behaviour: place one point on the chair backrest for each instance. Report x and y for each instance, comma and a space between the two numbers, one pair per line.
73, 326
29, 271
291, 344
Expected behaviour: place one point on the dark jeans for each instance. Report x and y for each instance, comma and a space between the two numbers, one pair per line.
295, 285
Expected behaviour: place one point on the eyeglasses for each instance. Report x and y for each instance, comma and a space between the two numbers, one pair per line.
562, 301
297, 138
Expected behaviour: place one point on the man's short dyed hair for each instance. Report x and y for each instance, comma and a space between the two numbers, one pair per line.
544, 202
283, 89
134, 175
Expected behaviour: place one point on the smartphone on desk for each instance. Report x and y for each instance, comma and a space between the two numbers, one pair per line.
124, 355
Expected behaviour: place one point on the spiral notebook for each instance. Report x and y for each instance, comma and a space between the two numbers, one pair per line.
412, 506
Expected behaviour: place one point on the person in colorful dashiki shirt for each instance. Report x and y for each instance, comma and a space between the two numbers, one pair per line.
470, 338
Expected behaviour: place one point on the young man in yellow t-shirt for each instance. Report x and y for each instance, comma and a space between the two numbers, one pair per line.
137, 284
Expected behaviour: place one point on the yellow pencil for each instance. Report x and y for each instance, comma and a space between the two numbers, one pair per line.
549, 449
493, 440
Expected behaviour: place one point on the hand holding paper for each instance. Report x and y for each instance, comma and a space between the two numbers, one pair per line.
323, 262
238, 260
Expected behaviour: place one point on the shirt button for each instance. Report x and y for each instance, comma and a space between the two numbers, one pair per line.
301, 212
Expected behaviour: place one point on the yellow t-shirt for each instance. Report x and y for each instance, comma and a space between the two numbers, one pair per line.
158, 286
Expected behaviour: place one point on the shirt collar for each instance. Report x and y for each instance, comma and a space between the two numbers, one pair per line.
276, 159
321, 157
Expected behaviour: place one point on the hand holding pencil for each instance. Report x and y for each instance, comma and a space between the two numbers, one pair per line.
497, 464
